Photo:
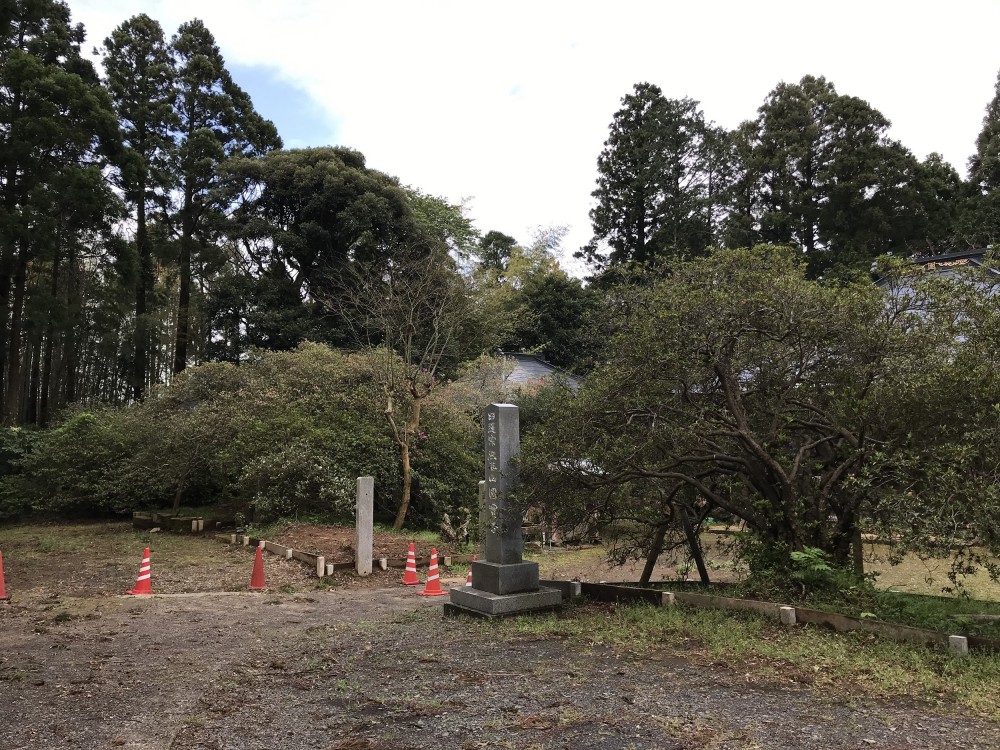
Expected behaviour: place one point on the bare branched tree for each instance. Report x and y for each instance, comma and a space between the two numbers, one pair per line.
406, 314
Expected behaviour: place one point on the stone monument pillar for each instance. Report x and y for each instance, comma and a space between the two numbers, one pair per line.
503, 583
364, 526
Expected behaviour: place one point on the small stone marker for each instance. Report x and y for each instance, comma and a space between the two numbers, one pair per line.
320, 566
787, 615
364, 526
958, 644
502, 583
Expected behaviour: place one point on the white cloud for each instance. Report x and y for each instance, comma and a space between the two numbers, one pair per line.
509, 103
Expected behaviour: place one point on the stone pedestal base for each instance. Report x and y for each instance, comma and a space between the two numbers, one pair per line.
506, 578
470, 600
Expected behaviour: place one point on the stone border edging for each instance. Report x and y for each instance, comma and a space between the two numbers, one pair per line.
144, 520
789, 615
319, 563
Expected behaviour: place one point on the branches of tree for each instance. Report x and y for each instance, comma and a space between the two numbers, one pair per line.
802, 409
408, 314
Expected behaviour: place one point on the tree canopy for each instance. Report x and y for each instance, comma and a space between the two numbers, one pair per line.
654, 181
746, 389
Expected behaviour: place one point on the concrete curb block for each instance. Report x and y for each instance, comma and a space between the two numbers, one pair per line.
277, 549
707, 601
787, 616
846, 623
568, 589
609, 592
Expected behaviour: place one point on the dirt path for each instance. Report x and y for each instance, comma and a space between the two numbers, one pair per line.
381, 668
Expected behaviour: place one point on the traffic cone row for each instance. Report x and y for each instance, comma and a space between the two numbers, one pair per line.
144, 584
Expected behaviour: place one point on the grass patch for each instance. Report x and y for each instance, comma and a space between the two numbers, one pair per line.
102, 558
848, 665
416, 535
954, 615
32, 542
39, 540
915, 575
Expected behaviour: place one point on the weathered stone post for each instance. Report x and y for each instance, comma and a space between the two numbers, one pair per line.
503, 583
364, 526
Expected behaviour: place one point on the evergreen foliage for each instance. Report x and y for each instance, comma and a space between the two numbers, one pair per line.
796, 407
654, 182
284, 433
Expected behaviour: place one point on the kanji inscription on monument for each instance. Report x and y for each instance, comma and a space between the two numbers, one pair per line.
503, 583
502, 444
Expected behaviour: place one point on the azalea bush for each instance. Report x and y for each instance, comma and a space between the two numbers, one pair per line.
283, 433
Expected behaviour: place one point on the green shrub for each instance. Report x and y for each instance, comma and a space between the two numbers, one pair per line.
283, 433
298, 478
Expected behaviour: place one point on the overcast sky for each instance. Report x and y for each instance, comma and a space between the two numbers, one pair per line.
507, 104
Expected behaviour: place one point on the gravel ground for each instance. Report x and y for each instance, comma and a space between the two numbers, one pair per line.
381, 668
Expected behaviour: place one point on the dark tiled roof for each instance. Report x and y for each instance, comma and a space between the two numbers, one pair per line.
530, 369
947, 264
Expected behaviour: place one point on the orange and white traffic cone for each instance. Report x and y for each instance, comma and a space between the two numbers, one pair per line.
468, 578
257, 578
142, 583
4, 599
410, 576
433, 587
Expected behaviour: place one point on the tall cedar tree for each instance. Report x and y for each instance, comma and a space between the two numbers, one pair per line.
981, 222
654, 182
984, 166
216, 122
55, 119
830, 179
140, 79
